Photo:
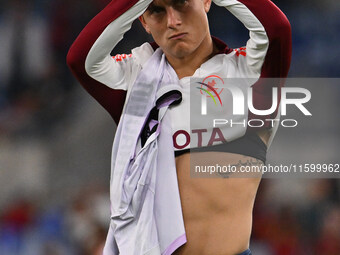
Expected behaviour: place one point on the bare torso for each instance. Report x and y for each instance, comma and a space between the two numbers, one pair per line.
217, 211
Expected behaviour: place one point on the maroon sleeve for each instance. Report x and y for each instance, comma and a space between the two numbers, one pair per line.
112, 100
278, 57
278, 29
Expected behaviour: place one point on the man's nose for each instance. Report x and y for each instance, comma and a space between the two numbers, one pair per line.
174, 18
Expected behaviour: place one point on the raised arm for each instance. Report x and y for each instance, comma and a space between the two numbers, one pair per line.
104, 77
268, 51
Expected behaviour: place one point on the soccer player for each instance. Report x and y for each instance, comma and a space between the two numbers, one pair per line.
217, 212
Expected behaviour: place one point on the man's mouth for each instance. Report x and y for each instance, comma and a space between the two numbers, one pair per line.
177, 36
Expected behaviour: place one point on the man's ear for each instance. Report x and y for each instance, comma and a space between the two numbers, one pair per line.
142, 20
207, 5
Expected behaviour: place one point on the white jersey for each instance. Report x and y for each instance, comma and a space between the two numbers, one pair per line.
266, 54
109, 79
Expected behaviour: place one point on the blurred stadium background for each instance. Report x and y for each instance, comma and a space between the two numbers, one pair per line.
55, 140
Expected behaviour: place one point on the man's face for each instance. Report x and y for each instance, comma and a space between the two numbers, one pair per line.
179, 27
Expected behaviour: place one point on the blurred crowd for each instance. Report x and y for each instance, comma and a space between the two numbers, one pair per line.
77, 226
308, 227
35, 82
37, 95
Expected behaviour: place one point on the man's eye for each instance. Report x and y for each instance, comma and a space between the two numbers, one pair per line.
155, 10
181, 2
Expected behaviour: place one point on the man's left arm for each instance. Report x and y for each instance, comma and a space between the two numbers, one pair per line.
268, 51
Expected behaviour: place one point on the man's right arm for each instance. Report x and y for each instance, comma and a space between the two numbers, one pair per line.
104, 77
